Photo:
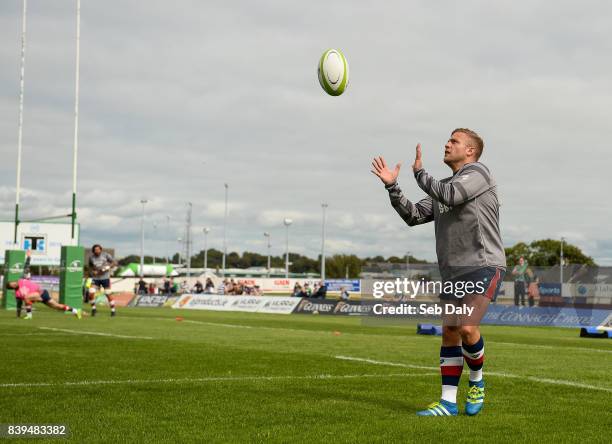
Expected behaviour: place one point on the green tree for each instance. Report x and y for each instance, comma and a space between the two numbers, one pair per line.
546, 252
335, 266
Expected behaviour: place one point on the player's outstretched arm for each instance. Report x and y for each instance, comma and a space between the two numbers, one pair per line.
412, 214
473, 180
380, 169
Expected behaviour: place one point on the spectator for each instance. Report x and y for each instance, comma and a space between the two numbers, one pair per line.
184, 287
297, 290
321, 291
198, 288
209, 288
533, 291
142, 286
166, 288
520, 278
307, 290
151, 288
344, 294
173, 286
257, 291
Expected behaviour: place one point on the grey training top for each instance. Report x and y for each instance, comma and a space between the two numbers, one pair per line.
465, 211
98, 263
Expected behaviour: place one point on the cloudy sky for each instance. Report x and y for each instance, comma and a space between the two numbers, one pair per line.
179, 97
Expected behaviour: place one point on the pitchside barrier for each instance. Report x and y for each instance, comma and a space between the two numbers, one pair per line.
14, 261
154, 301
597, 292
252, 304
70, 279
496, 314
71, 275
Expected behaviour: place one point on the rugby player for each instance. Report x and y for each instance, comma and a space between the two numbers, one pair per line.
27, 292
100, 265
465, 212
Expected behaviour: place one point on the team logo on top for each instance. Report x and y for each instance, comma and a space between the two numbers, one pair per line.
75, 266
443, 208
16, 268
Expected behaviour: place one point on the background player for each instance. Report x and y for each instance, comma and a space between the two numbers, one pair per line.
100, 265
465, 210
27, 292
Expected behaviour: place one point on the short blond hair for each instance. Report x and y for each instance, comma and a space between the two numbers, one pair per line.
477, 141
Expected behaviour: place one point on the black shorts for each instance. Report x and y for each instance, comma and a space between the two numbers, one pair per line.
45, 296
486, 281
101, 283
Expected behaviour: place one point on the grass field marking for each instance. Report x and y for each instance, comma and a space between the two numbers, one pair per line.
301, 330
502, 375
191, 321
391, 364
214, 324
94, 333
209, 379
552, 347
31, 334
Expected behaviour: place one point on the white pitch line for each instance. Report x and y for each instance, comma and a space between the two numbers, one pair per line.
552, 347
261, 327
28, 334
391, 364
502, 375
215, 324
94, 333
208, 379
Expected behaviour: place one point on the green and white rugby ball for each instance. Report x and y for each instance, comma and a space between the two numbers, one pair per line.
333, 72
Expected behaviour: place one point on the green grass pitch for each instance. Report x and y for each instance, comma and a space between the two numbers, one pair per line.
233, 377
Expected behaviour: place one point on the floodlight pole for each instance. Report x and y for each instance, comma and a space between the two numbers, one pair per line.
76, 118
324, 207
167, 240
225, 229
20, 125
142, 236
206, 230
180, 241
188, 240
154, 238
267, 235
287, 222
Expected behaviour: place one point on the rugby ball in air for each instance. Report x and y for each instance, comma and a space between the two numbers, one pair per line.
333, 72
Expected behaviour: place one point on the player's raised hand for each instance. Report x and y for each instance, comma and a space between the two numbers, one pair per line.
418, 164
379, 168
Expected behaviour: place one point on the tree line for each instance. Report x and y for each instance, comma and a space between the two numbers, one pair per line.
336, 266
544, 252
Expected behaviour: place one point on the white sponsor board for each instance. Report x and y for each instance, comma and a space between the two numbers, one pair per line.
44, 239
260, 304
203, 302
278, 304
246, 303
150, 300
